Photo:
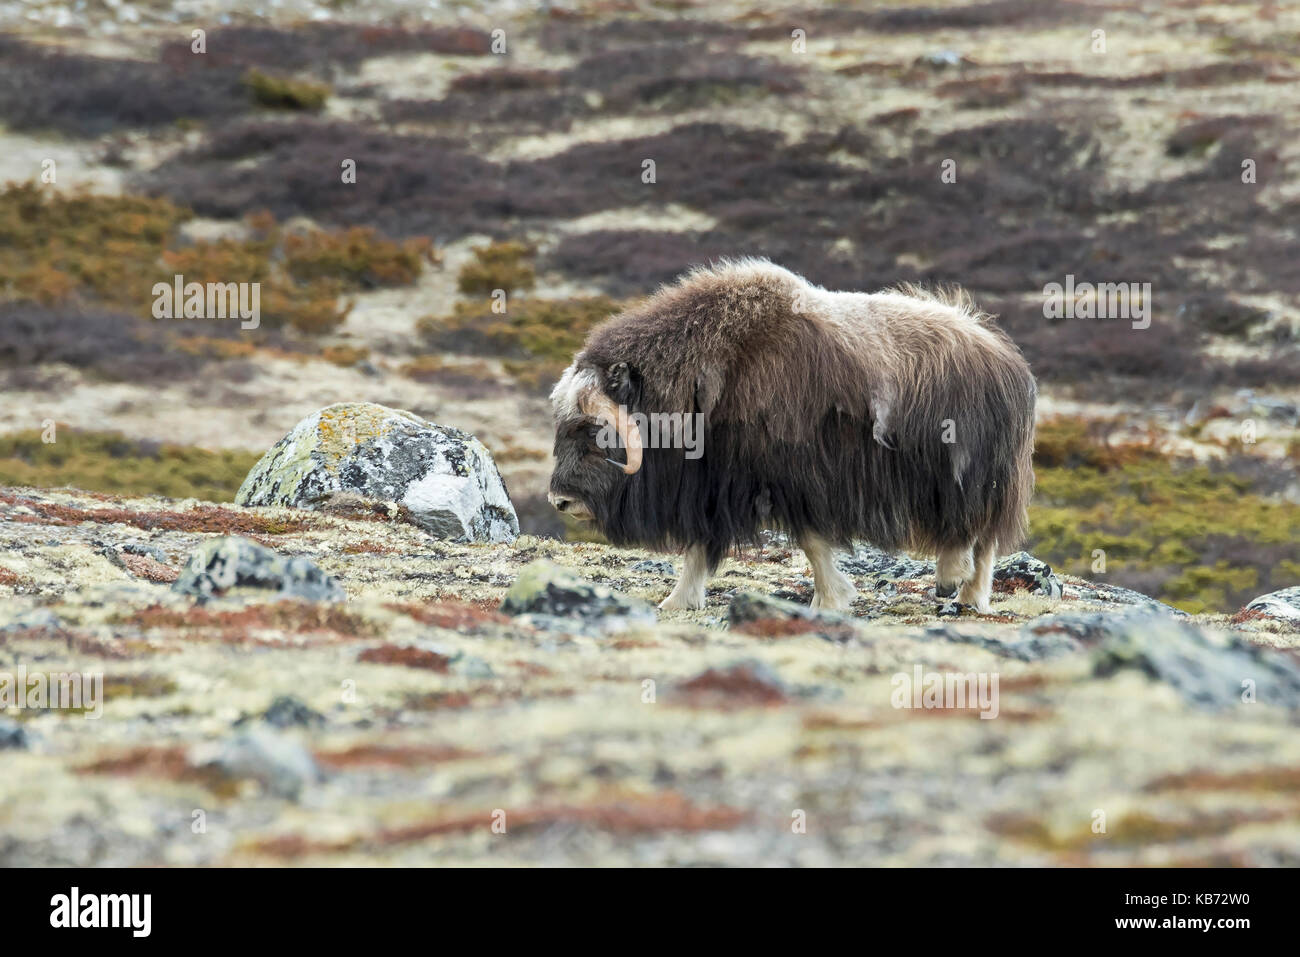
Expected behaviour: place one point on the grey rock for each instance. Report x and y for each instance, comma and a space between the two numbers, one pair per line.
143, 548
544, 589
748, 607
279, 763
109, 553
13, 736
1278, 410
443, 477
1022, 570
1084, 627
1028, 646
471, 666
222, 564
1209, 670
941, 59
1115, 595
33, 619
650, 566
868, 561
286, 711
1284, 604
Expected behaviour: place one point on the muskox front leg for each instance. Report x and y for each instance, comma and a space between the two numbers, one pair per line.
689, 592
832, 589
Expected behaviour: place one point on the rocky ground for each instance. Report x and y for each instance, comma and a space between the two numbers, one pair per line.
365, 692
428, 718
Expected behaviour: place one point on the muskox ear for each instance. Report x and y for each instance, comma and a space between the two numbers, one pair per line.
708, 389
618, 383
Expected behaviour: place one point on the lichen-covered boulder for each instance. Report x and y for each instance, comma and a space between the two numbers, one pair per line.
443, 477
1208, 669
1284, 604
1022, 570
221, 565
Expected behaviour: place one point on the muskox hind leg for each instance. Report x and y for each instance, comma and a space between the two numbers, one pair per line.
975, 591
953, 567
832, 589
689, 592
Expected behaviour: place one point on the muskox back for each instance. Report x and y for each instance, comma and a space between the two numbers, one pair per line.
904, 418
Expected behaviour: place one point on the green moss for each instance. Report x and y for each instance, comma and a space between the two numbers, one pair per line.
284, 93
542, 334
109, 462
506, 266
1157, 519
58, 248
54, 246
358, 257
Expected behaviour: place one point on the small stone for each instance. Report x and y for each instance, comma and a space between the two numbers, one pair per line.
1023, 571
546, 589
13, 736
867, 561
277, 762
1084, 627
942, 59
1029, 646
109, 553
222, 564
286, 711
772, 616
143, 548
650, 566
1115, 595
32, 620
1284, 604
150, 569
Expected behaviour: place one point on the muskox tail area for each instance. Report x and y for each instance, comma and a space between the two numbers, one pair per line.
1009, 525
962, 471
992, 468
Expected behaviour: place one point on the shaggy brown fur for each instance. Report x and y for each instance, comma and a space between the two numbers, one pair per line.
904, 418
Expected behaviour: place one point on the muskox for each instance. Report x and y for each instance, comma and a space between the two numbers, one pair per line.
902, 418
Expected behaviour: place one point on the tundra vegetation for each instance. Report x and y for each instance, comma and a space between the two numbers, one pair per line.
383, 180
524, 172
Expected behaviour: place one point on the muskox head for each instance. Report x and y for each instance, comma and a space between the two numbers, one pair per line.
597, 445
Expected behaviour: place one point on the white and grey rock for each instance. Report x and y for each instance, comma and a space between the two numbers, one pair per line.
554, 596
276, 761
1284, 604
1209, 670
222, 564
444, 478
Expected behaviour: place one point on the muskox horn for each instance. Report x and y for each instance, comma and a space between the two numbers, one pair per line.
601, 406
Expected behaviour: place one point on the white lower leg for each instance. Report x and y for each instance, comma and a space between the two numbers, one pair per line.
832, 589
689, 592
977, 589
953, 567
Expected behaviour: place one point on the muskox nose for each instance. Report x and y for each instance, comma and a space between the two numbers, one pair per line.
559, 501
